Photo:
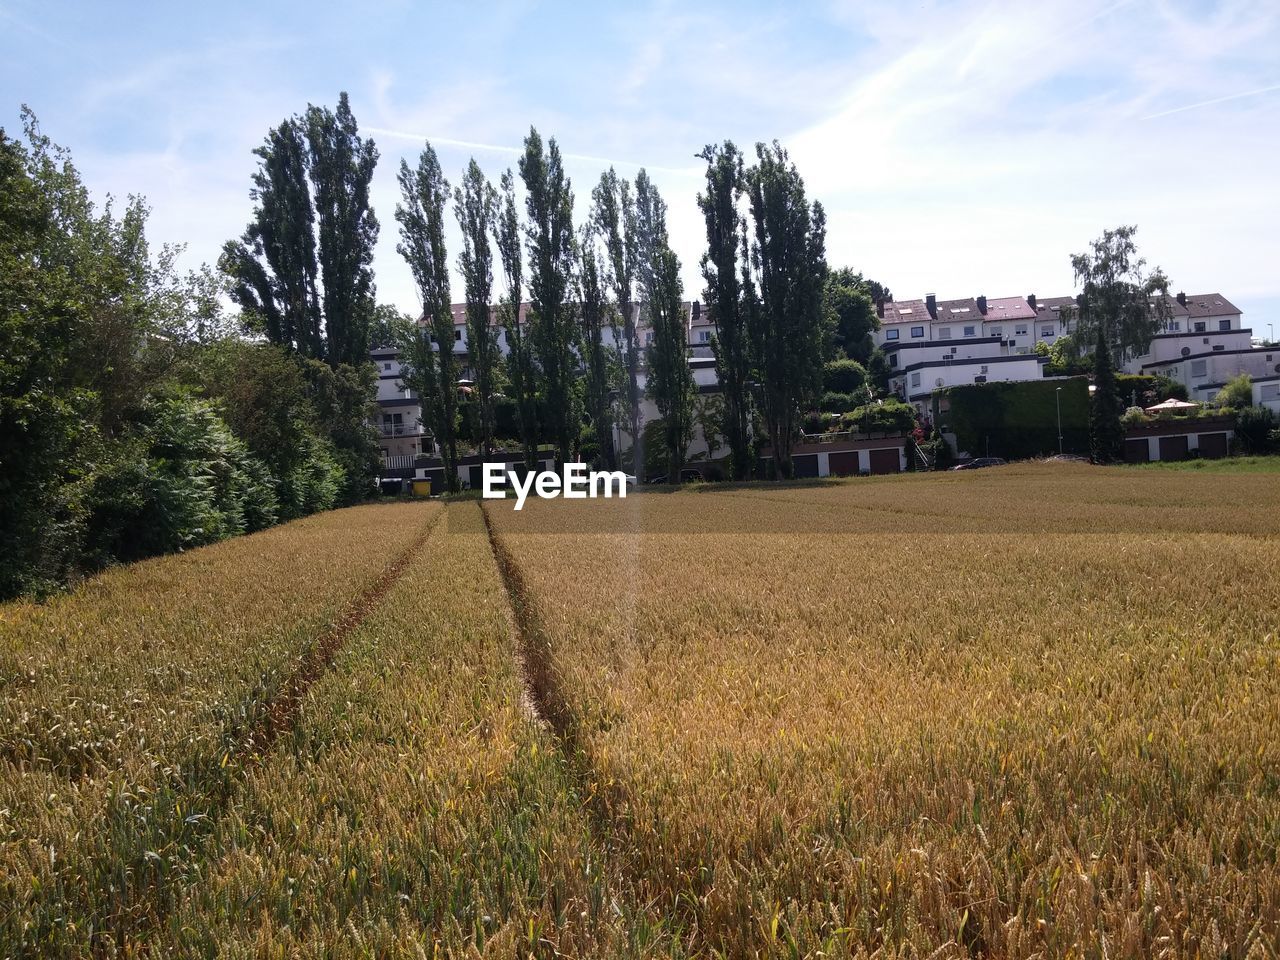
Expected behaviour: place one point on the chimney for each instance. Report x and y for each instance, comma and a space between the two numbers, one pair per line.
982, 305
1031, 301
931, 304
1182, 299
697, 311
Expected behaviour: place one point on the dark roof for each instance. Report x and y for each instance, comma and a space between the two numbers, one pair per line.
905, 311
1210, 305
964, 310
1008, 308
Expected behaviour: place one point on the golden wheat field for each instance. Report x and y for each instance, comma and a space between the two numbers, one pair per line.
1024, 712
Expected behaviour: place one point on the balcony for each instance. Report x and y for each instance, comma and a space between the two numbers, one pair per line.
396, 430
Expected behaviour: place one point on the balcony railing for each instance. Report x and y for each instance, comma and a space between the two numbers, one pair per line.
398, 462
396, 430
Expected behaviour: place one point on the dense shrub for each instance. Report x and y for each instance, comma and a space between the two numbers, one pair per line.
1255, 430
890, 415
843, 376
1236, 393
840, 402
1016, 420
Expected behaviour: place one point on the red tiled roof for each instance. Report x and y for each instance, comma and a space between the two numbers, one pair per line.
905, 311
1210, 305
1009, 308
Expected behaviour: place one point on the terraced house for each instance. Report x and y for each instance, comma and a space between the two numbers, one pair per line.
932, 344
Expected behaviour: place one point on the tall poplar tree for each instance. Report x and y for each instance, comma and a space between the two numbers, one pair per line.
342, 165
273, 265
723, 294
475, 205
614, 214
596, 354
669, 382
521, 366
789, 327
432, 371
549, 235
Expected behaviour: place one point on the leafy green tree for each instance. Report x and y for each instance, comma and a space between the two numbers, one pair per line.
273, 265
669, 383
788, 322
852, 307
430, 369
1236, 394
475, 206
731, 345
549, 236
843, 376
614, 214
268, 397
1106, 433
341, 169
390, 326
521, 365
596, 318
1117, 295
1256, 431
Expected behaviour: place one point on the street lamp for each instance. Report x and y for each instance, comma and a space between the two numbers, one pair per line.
1057, 398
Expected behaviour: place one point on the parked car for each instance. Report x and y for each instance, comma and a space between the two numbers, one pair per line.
686, 476
979, 462
631, 480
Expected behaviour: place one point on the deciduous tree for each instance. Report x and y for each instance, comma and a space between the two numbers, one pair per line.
669, 382
614, 214
549, 235
597, 355
521, 366
431, 369
1118, 295
475, 205
788, 322
731, 344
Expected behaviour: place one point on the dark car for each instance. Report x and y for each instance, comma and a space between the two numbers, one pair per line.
980, 462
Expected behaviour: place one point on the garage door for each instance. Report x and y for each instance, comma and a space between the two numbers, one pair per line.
805, 465
844, 463
1173, 448
1213, 445
886, 461
1137, 451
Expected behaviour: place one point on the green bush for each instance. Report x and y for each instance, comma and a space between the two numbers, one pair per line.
1016, 420
1133, 417
1236, 393
838, 402
1255, 430
890, 415
843, 376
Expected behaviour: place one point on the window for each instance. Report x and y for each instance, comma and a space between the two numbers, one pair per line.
969, 331
1270, 391
1020, 330
945, 333
891, 334
1174, 326
997, 331
893, 359
905, 311
648, 338
917, 331
457, 334
1199, 368
704, 336
915, 379
1219, 346
1046, 331
387, 365
1200, 327
1224, 324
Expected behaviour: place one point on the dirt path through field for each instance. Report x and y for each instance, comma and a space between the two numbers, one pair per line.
212, 781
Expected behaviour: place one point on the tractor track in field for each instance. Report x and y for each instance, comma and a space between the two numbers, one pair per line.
149, 900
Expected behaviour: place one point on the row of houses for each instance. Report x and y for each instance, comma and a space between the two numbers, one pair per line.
930, 344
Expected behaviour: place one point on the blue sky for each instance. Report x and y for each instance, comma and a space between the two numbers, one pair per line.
960, 148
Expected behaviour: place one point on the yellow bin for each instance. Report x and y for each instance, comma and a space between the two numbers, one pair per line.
422, 488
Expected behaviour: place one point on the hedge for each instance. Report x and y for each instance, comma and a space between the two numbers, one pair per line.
1015, 420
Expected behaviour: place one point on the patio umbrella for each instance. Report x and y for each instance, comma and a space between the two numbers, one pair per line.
1173, 405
